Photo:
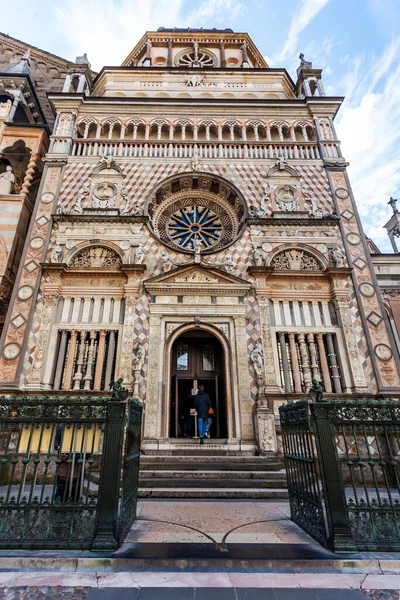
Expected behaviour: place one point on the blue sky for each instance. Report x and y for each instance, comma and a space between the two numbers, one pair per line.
356, 42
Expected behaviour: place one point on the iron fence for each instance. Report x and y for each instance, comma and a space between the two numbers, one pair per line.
62, 466
343, 465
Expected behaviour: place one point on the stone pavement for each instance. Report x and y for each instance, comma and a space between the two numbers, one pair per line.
230, 546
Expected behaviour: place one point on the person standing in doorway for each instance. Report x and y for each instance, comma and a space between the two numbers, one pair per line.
202, 403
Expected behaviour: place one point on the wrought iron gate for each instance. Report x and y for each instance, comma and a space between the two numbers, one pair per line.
304, 485
343, 463
60, 471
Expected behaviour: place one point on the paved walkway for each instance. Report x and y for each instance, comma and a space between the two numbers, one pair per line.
231, 546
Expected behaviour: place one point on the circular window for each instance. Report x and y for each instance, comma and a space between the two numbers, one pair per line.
196, 58
194, 210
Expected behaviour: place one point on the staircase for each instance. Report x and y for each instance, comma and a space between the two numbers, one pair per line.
200, 475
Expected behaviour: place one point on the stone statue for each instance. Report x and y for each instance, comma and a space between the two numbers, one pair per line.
316, 391
167, 263
337, 256
139, 255
55, 254
6, 180
197, 246
118, 392
126, 208
315, 211
138, 357
257, 257
392, 202
281, 162
258, 359
195, 163
229, 264
80, 204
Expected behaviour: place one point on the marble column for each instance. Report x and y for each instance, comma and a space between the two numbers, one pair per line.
313, 357
295, 363
110, 360
60, 360
79, 363
304, 361
81, 84
100, 360
169, 59
67, 379
89, 365
333, 364
324, 364
30, 171
285, 362
98, 131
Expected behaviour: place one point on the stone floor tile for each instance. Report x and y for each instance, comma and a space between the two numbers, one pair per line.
181, 579
165, 594
338, 594
294, 594
210, 593
267, 580
40, 578
120, 579
255, 594
381, 582
113, 593
330, 580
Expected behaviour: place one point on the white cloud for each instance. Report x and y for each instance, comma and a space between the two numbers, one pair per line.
108, 30
369, 129
307, 11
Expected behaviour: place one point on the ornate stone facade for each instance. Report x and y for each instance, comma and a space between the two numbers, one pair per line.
170, 247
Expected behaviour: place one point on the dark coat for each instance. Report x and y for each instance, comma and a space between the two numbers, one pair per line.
202, 403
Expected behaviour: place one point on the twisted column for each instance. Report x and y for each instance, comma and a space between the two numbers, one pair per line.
60, 360
66, 384
313, 357
30, 171
89, 364
100, 360
333, 364
285, 362
79, 363
304, 360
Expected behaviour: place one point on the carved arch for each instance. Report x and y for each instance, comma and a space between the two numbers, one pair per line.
296, 257
96, 253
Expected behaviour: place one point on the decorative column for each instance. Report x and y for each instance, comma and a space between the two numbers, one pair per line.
244, 133
333, 364
100, 360
245, 427
245, 60
67, 379
147, 132
195, 133
60, 360
169, 59
98, 131
285, 362
147, 58
219, 132
171, 132
67, 83
30, 171
313, 357
304, 361
81, 84
295, 363
110, 360
79, 363
89, 365
222, 52
324, 364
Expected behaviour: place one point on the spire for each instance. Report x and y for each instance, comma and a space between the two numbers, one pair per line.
308, 79
393, 225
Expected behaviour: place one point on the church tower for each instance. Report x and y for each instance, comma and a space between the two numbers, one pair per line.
195, 225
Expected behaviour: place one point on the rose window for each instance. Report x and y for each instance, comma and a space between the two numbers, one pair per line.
196, 59
196, 211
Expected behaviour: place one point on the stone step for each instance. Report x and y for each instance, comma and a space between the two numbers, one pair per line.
208, 483
226, 493
215, 463
214, 474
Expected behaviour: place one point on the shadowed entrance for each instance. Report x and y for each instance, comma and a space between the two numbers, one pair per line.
197, 358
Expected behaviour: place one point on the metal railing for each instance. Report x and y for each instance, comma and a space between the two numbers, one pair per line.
343, 468
63, 464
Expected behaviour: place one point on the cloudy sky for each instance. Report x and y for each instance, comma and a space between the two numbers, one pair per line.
356, 42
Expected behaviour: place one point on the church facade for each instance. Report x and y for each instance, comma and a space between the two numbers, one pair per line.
195, 224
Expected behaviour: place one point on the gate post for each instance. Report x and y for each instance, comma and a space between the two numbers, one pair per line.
340, 537
109, 487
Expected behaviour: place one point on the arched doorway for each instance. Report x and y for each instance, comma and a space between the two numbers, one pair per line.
197, 356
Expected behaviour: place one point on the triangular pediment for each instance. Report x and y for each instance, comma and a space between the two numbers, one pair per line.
198, 278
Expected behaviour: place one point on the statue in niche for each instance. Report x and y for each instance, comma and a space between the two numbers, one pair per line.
337, 256
126, 208
6, 180
286, 199
104, 195
257, 257
139, 255
195, 162
55, 254
281, 162
315, 211
138, 356
229, 264
257, 358
81, 204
